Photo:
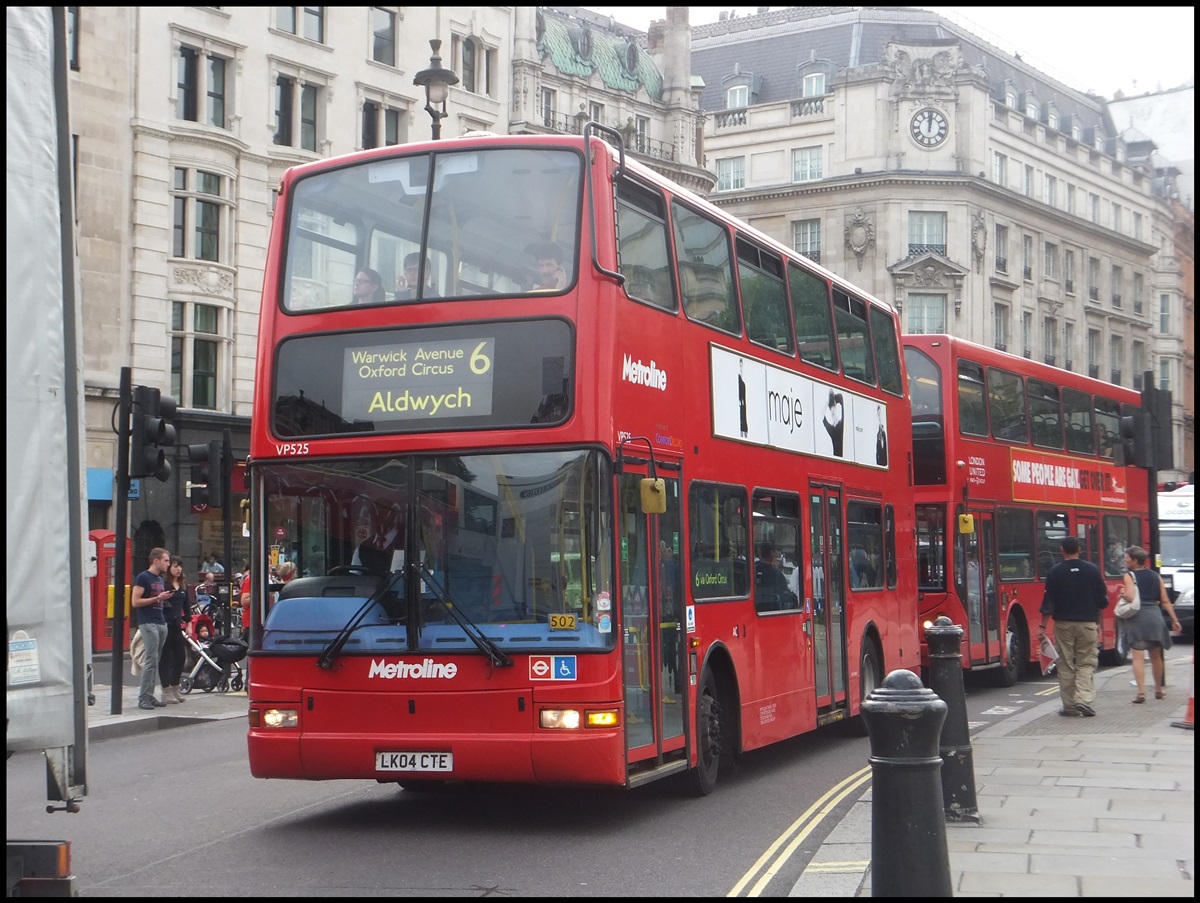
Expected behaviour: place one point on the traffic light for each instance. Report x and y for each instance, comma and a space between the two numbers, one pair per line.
152, 433
1162, 434
1137, 443
207, 484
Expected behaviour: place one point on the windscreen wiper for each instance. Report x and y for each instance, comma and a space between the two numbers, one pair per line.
481, 640
330, 652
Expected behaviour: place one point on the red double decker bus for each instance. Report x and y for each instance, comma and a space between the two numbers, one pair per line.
526, 493
1010, 456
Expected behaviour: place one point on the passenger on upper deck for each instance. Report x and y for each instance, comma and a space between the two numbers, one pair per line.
368, 287
406, 285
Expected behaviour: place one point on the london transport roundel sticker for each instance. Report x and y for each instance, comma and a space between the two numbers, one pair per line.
604, 623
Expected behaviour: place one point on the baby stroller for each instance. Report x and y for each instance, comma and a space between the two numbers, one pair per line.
212, 664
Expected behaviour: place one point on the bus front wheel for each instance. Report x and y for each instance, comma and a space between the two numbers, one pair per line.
708, 736
869, 677
1016, 653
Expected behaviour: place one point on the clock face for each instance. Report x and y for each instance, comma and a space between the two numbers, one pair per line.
929, 127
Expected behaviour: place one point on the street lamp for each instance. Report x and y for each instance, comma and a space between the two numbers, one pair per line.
436, 80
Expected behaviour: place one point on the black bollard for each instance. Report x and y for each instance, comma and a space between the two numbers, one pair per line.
908, 830
946, 679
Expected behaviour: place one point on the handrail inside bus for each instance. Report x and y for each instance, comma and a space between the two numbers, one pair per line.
653, 488
589, 128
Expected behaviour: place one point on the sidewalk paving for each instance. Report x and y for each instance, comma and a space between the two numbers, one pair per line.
197, 706
1068, 807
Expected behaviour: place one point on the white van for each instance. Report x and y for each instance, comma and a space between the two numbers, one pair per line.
1177, 539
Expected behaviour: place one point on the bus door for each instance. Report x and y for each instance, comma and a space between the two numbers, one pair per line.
651, 603
828, 622
1087, 530
978, 588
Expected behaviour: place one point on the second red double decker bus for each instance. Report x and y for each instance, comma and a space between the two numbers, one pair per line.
614, 487
1011, 456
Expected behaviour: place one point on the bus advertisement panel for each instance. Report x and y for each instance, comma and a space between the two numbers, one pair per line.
1010, 457
625, 523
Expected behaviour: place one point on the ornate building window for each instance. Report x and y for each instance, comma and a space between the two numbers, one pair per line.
926, 232
731, 173
197, 332
201, 212
925, 313
1000, 325
806, 238
297, 113
309, 19
383, 36
807, 164
201, 93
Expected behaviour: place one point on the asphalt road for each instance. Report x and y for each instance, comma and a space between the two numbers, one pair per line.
175, 813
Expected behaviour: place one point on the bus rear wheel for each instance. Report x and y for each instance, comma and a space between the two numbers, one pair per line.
708, 736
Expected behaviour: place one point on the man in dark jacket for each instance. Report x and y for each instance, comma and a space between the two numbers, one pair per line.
1075, 596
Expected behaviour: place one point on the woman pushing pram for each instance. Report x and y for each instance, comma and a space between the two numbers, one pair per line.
212, 661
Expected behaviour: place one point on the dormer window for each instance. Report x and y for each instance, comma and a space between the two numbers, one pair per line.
1052, 120
630, 56
813, 85
737, 97
1076, 130
581, 38
1031, 109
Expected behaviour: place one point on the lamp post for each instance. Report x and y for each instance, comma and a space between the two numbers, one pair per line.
436, 80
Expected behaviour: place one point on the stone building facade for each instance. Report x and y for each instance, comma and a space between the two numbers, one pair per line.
978, 195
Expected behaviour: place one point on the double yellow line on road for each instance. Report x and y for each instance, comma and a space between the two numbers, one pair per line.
779, 852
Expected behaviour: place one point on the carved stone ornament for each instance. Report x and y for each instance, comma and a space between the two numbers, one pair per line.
209, 280
928, 276
914, 75
860, 235
978, 237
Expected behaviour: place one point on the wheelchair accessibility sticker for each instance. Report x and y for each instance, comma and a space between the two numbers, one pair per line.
552, 667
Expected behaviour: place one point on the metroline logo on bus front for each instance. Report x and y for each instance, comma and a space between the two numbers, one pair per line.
415, 670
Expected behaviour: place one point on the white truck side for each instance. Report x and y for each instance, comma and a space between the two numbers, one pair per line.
47, 659
1177, 539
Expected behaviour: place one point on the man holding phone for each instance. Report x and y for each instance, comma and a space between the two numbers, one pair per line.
147, 597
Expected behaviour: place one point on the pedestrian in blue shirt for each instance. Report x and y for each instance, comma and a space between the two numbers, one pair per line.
147, 597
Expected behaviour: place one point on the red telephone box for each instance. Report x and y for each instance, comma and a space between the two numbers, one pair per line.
103, 591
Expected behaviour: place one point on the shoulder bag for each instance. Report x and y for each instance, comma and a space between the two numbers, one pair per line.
1127, 608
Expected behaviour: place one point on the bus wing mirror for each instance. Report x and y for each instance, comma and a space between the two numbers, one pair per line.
966, 524
654, 496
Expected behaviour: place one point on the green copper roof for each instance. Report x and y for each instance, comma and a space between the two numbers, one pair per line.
563, 41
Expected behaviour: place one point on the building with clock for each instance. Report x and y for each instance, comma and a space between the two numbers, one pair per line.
978, 195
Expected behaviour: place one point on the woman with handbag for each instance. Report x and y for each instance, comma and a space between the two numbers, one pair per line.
1146, 630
